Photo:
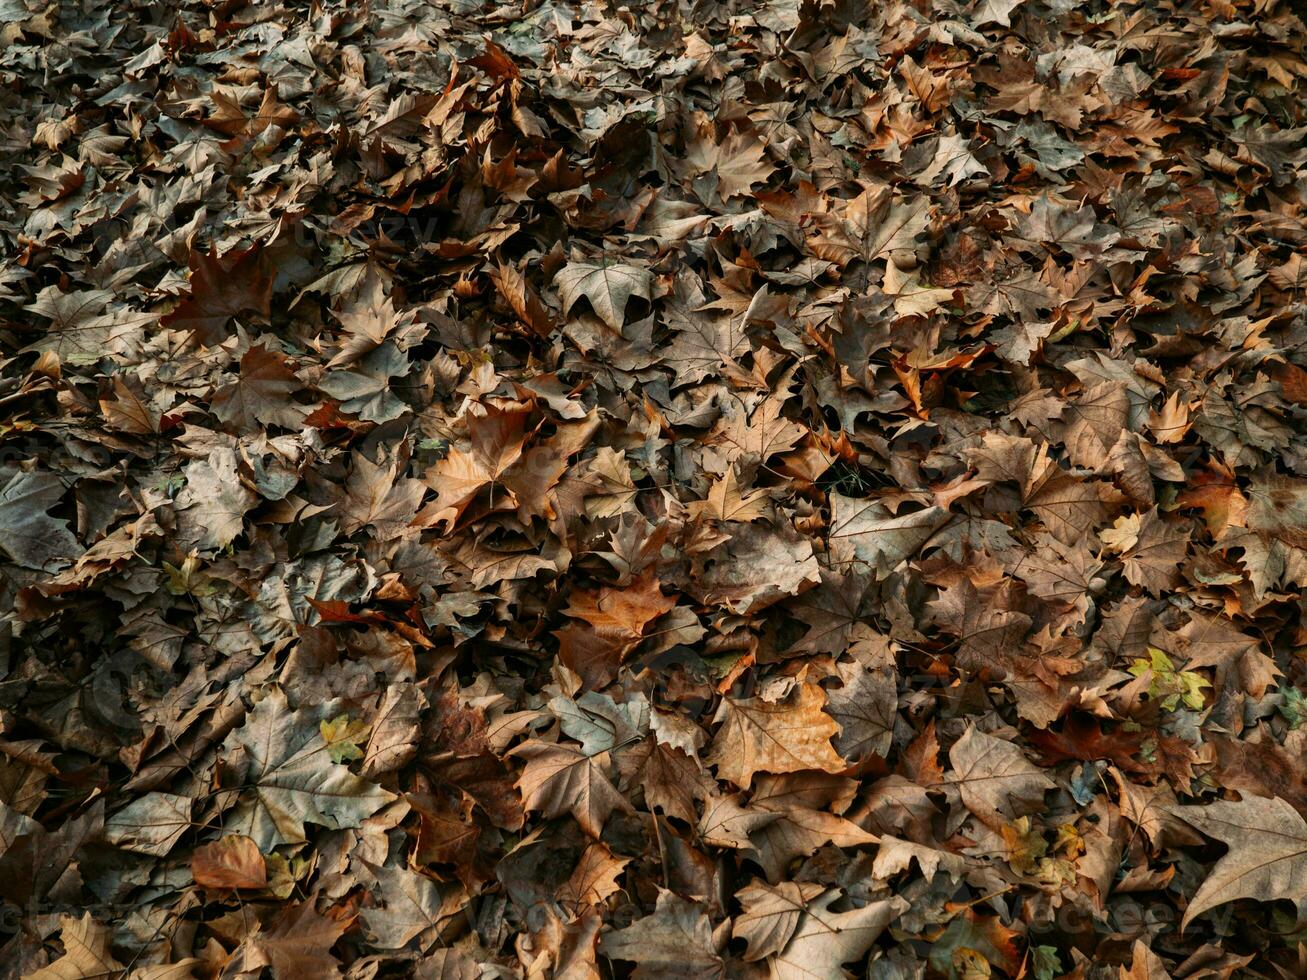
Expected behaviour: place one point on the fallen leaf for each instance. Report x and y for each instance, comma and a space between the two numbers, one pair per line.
291, 780
1268, 848
674, 942
785, 736
559, 779
607, 287
229, 862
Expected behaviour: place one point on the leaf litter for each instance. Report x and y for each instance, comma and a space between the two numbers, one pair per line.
789, 489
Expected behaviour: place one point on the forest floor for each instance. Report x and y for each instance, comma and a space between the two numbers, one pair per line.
691, 489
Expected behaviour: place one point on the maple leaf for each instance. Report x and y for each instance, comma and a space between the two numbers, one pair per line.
222, 286
371, 321
285, 762
953, 162
739, 162
593, 655
86, 952
483, 566
365, 389
1052, 222
229, 862
593, 879
607, 487
725, 823
262, 395
497, 434
864, 707
823, 940
622, 614
802, 824
1144, 965
608, 287
834, 611
343, 735
1171, 423
975, 942
496, 458
1292, 275
770, 914
598, 722
879, 537
1150, 550
994, 778
522, 299
1237, 657
670, 778
726, 502
392, 742
1267, 859
212, 506
298, 944
150, 825
895, 855
1060, 573
1275, 543
457, 479
1092, 423
378, 498
411, 905
1083, 738
79, 329
559, 779
994, 12
757, 436
1069, 506
1217, 495
38, 865
1258, 765
912, 297
674, 942
754, 568
784, 736
28, 534
1019, 293
705, 342
128, 410
870, 227
990, 633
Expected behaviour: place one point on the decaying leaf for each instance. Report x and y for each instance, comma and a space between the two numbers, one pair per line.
710, 489
281, 756
994, 778
229, 862
607, 287
675, 941
771, 914
559, 780
783, 736
823, 940
1268, 848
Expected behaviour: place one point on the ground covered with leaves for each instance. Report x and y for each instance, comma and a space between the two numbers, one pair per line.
713, 489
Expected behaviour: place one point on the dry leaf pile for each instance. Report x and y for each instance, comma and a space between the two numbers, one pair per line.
568, 489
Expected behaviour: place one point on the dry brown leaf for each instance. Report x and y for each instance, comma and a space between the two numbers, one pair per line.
1267, 859
229, 862
785, 736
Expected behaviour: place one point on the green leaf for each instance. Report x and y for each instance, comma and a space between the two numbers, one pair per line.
1046, 963
1168, 685
344, 737
1293, 707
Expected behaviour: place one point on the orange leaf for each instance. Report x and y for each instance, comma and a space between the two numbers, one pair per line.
231, 862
